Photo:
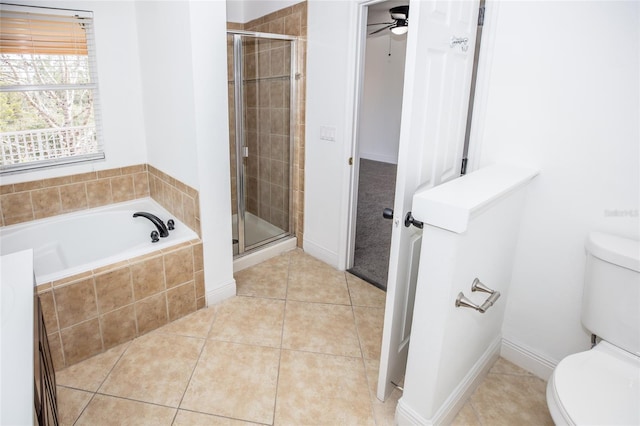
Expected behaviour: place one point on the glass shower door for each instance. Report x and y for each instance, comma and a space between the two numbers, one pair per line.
261, 79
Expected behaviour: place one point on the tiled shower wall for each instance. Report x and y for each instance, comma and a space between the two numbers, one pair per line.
267, 123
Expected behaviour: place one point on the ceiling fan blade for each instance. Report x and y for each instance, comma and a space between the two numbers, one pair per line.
381, 29
381, 23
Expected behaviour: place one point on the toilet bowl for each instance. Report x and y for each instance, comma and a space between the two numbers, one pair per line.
601, 386
596, 387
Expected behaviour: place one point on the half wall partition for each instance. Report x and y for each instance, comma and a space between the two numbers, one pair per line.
262, 84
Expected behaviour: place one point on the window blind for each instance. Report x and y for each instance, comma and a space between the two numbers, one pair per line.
48, 77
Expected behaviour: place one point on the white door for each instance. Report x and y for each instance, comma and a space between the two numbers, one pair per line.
440, 49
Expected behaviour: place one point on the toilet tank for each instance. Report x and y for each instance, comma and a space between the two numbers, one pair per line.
611, 298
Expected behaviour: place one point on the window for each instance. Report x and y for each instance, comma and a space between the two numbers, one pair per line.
49, 111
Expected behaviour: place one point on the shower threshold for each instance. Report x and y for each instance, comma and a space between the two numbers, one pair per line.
265, 252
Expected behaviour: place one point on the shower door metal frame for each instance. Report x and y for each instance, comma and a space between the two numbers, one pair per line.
240, 142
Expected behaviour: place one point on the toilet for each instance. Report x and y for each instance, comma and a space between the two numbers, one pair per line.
601, 386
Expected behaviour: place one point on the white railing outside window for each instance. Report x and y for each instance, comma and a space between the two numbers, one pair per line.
48, 88
47, 144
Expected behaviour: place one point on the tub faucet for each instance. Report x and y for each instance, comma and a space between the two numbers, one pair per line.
162, 228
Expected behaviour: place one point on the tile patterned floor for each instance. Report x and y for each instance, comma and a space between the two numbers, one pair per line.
299, 345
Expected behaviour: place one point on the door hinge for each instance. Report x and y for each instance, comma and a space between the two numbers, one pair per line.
351, 161
463, 169
481, 16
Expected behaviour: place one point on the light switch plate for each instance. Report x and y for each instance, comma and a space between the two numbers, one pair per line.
327, 133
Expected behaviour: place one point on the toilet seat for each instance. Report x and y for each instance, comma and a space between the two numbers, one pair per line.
599, 386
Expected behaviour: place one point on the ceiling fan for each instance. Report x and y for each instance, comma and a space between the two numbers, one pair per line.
400, 24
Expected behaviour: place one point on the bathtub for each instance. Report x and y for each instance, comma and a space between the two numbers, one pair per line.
73, 243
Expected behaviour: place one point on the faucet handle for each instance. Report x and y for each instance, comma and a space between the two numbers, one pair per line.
155, 237
171, 225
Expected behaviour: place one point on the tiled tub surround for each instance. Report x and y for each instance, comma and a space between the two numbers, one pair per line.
27, 201
267, 193
91, 312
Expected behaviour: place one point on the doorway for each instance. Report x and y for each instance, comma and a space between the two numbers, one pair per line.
376, 153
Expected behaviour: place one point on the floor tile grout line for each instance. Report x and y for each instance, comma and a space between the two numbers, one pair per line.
284, 319
102, 382
220, 416
362, 359
195, 365
475, 411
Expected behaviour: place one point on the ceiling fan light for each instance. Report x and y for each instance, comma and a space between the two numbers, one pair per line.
400, 29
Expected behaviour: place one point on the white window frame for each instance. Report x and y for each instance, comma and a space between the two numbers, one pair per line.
87, 20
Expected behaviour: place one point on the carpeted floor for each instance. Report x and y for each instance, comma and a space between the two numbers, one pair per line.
373, 233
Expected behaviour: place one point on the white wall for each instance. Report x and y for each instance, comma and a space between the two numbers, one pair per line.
330, 25
209, 61
379, 135
243, 11
165, 62
119, 86
564, 97
185, 103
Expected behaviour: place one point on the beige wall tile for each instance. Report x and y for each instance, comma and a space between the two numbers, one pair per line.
73, 197
46, 202
178, 266
198, 260
28, 186
55, 346
99, 193
81, 341
130, 170
109, 173
73, 278
201, 303
200, 285
118, 326
141, 184
181, 300
17, 205
75, 302
114, 289
148, 277
49, 311
122, 188
12, 220
151, 313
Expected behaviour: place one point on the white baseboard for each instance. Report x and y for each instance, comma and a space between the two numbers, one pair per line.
320, 253
381, 158
527, 358
263, 254
221, 293
448, 411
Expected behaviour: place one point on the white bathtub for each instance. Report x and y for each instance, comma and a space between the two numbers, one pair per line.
76, 242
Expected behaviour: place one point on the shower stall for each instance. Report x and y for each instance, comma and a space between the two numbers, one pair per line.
262, 87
